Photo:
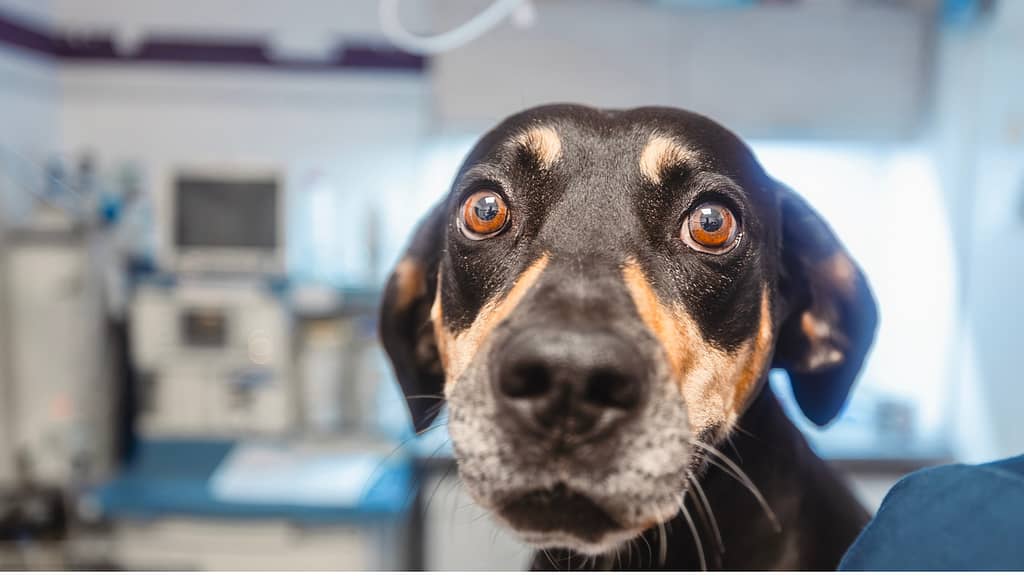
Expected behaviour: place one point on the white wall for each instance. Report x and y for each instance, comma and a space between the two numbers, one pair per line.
347, 134
28, 110
349, 17
990, 217
829, 70
28, 104
337, 137
301, 25
978, 145
39, 12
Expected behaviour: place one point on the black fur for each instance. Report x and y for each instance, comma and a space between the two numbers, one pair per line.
590, 212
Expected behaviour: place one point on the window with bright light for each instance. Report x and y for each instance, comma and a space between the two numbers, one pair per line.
885, 204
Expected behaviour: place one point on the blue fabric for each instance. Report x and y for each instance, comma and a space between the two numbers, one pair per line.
955, 517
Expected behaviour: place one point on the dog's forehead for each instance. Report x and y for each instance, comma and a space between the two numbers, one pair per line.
648, 141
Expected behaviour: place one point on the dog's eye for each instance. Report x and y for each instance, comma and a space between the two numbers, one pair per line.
711, 227
484, 214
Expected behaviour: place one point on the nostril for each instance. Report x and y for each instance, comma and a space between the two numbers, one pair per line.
526, 380
610, 388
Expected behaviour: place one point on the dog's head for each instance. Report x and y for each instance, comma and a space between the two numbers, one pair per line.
602, 290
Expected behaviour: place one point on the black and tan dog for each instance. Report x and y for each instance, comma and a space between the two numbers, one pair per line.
599, 299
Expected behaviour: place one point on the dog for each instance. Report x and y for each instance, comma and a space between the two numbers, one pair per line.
599, 300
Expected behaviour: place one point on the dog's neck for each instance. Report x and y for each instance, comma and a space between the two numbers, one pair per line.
817, 516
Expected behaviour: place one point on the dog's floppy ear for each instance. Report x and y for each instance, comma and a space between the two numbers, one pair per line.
405, 326
829, 316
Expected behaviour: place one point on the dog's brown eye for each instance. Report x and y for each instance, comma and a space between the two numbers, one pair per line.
483, 214
711, 227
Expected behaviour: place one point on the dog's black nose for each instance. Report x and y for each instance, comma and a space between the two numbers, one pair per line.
570, 385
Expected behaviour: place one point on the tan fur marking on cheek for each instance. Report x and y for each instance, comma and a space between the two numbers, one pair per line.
459, 349
714, 383
708, 388
410, 283
697, 366
441, 335
543, 143
758, 353
657, 318
659, 154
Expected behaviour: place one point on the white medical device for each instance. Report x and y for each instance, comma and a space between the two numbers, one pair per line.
213, 359
211, 337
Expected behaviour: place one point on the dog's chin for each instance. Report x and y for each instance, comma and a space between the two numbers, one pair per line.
560, 517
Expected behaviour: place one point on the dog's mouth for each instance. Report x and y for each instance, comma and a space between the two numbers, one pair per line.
559, 511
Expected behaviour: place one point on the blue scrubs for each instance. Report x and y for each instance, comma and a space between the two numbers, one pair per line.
955, 517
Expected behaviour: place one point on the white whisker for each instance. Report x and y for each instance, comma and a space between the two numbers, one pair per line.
696, 539
650, 551
740, 476
711, 515
662, 545
554, 566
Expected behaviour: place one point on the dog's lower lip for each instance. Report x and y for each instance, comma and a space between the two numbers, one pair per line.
559, 509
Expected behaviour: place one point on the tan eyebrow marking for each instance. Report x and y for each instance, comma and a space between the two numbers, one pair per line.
659, 155
457, 350
543, 143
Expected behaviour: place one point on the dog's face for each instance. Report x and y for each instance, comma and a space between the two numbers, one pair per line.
601, 291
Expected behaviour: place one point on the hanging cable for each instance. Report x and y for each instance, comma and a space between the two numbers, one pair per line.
472, 29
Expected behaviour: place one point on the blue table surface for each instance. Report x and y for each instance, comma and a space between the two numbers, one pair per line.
172, 478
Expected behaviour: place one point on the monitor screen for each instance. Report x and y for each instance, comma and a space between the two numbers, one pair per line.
222, 213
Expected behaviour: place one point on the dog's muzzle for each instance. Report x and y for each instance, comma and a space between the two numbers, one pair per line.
574, 436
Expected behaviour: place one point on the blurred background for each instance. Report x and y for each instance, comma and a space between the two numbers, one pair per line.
200, 201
